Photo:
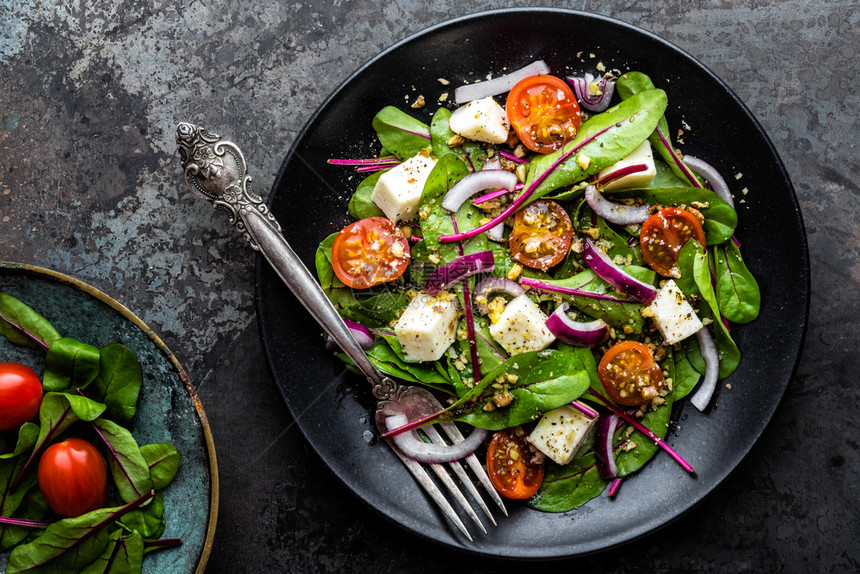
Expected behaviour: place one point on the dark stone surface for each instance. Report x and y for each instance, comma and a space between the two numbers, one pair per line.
90, 186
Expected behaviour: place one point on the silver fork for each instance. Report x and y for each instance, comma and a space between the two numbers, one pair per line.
215, 169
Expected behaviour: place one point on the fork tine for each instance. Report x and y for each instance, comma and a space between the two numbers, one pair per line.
440, 471
430, 487
456, 436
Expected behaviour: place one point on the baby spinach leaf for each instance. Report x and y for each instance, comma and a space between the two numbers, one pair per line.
657, 421
728, 350
129, 469
570, 486
386, 353
163, 461
118, 382
604, 139
684, 376
471, 153
122, 555
21, 325
360, 204
490, 353
70, 363
737, 291
68, 545
400, 133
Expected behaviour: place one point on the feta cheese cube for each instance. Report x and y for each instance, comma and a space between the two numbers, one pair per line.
481, 120
522, 327
561, 432
674, 316
640, 155
398, 190
427, 327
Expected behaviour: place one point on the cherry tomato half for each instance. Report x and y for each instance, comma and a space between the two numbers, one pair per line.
543, 112
629, 373
20, 395
664, 234
369, 252
541, 234
72, 477
509, 462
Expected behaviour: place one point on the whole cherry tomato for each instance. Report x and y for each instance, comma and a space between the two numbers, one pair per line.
72, 477
20, 395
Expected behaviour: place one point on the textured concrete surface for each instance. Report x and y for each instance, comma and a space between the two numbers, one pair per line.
90, 92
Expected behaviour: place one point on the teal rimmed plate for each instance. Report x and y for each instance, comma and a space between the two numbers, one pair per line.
168, 408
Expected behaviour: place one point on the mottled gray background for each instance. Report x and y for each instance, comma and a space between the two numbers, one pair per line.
90, 92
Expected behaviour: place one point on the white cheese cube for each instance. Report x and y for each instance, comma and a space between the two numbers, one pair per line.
640, 155
674, 316
427, 327
522, 327
561, 432
398, 190
481, 120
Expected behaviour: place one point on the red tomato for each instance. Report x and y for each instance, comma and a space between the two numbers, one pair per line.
20, 395
510, 464
664, 234
541, 235
369, 252
72, 477
543, 112
629, 373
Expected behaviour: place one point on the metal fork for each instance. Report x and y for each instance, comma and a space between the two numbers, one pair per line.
216, 170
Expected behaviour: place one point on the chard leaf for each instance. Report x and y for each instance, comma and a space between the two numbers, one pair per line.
361, 205
737, 291
149, 520
118, 382
128, 467
27, 435
70, 363
470, 153
400, 133
12, 498
602, 140
21, 325
122, 555
68, 545
570, 486
163, 461
32, 507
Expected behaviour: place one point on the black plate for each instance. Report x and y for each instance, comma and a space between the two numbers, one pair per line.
332, 407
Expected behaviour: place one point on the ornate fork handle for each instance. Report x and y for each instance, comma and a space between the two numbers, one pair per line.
216, 170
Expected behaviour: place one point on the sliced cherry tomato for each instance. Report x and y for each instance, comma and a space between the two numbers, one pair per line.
20, 395
541, 235
664, 234
511, 464
369, 252
72, 477
543, 112
629, 373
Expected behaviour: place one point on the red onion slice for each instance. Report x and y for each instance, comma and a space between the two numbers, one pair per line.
706, 170
576, 333
361, 333
475, 182
495, 285
601, 264
615, 212
587, 99
604, 453
411, 445
712, 369
498, 85
458, 269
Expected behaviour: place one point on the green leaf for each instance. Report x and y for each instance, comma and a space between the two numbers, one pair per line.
163, 461
738, 295
32, 507
570, 486
70, 363
604, 139
12, 499
21, 325
27, 435
118, 382
400, 133
123, 555
149, 520
361, 205
684, 376
657, 421
128, 467
470, 153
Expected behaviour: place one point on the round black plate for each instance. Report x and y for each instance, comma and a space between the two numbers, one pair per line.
332, 406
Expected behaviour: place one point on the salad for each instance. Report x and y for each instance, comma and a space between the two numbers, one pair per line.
546, 260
